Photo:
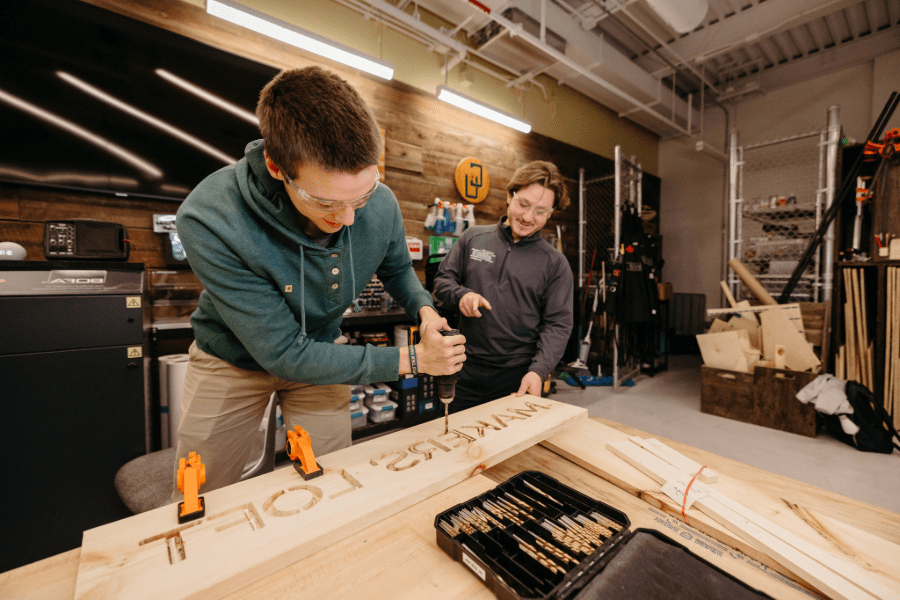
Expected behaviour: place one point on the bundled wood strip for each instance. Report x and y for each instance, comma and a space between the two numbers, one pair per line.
586, 443
734, 515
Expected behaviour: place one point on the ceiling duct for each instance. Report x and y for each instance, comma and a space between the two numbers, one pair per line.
528, 24
588, 63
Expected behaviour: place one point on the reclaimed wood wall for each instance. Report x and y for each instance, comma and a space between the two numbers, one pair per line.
424, 141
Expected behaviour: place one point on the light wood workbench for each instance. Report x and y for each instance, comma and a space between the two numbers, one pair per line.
398, 558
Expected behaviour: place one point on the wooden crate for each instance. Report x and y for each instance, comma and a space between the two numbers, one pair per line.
766, 397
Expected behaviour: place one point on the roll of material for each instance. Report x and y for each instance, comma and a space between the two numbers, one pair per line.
401, 335
172, 371
751, 282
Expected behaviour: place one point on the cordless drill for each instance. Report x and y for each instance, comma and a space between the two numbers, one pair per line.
446, 388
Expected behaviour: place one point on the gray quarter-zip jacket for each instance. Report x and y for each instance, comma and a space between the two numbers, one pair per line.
529, 285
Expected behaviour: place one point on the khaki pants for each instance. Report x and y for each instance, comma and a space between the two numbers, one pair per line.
223, 405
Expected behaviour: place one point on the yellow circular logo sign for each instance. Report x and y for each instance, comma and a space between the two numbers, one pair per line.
472, 181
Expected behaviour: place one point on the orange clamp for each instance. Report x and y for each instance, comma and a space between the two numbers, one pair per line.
191, 475
299, 450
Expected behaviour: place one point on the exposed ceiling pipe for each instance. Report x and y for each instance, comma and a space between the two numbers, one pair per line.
608, 63
439, 41
704, 147
516, 30
457, 52
429, 36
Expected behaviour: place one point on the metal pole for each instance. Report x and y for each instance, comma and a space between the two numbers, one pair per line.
690, 112
543, 37
732, 208
617, 204
820, 193
640, 194
834, 138
581, 227
703, 103
739, 208
617, 208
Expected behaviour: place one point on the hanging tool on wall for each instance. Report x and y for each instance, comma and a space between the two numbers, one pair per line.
299, 449
582, 361
888, 149
191, 475
862, 196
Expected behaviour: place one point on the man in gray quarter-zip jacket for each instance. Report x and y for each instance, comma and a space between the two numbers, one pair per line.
283, 241
513, 291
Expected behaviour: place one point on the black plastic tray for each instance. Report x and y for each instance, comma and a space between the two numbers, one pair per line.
636, 564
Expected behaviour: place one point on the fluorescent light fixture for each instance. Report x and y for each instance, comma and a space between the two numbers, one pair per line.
481, 109
135, 112
66, 177
209, 97
102, 143
300, 38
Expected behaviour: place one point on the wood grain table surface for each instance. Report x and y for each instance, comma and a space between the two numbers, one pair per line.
399, 558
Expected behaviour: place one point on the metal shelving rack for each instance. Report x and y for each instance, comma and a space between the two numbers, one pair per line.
778, 191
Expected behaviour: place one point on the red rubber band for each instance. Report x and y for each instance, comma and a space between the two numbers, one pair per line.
687, 491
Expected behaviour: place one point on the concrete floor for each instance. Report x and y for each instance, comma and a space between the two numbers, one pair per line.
668, 405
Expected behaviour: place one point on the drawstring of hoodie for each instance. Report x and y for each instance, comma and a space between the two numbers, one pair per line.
302, 294
356, 307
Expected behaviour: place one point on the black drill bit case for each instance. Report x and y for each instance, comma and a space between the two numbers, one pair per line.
630, 565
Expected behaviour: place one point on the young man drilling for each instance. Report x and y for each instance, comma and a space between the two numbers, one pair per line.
283, 242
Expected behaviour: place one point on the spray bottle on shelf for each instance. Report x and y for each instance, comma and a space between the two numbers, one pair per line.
432, 215
440, 222
470, 215
448, 220
459, 220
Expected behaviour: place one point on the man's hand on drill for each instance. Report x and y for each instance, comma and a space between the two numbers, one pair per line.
438, 354
531, 384
471, 302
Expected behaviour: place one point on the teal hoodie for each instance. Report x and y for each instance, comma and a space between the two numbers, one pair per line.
273, 299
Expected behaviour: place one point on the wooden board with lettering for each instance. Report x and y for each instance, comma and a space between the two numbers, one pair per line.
258, 526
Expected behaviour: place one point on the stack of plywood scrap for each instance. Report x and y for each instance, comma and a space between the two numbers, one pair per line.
757, 360
771, 335
832, 557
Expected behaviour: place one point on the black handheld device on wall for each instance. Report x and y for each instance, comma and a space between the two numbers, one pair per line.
85, 239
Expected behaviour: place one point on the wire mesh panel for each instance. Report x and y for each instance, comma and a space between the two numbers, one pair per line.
781, 208
599, 214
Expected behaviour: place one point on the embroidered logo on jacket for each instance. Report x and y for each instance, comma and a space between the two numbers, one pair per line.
482, 255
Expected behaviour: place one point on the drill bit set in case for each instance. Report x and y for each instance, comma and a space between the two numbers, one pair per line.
533, 537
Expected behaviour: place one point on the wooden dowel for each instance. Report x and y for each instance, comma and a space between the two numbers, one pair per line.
862, 349
731, 301
888, 342
864, 319
849, 329
751, 282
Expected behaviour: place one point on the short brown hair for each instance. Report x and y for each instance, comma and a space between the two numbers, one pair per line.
312, 115
544, 173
